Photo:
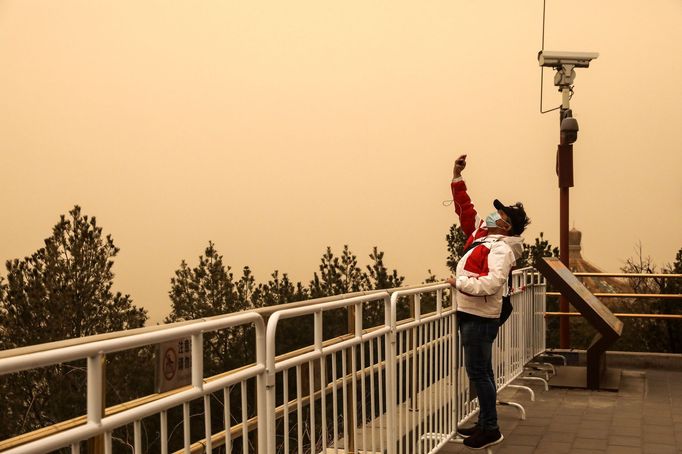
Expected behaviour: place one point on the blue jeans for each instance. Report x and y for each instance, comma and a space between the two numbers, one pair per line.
477, 335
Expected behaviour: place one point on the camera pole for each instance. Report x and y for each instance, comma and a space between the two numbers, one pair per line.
564, 63
564, 168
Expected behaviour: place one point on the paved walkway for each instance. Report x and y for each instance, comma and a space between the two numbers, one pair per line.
645, 416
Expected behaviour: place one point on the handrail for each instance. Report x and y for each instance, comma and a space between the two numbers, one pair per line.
667, 296
626, 315
656, 275
74, 352
20, 351
262, 311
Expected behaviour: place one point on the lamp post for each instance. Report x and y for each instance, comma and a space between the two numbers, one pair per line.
565, 63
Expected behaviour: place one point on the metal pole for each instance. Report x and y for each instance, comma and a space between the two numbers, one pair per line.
564, 326
96, 406
350, 397
562, 163
392, 399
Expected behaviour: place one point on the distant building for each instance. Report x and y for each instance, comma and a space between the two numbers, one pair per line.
578, 264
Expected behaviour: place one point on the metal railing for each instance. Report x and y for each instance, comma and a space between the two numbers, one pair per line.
620, 295
97, 424
397, 387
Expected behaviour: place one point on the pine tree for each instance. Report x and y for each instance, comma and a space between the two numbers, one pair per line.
279, 291
532, 252
203, 291
62, 291
379, 277
431, 278
455, 239
353, 279
329, 281
207, 290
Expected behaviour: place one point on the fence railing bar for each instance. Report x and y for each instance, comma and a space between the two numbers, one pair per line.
673, 296
626, 315
633, 275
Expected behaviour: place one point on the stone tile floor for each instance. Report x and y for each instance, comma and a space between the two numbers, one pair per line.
643, 417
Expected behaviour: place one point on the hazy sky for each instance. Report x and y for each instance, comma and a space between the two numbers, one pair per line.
277, 128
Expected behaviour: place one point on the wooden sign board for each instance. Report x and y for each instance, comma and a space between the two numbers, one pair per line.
594, 311
608, 326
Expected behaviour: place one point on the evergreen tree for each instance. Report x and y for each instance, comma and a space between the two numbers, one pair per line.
3, 310
329, 281
532, 252
203, 291
431, 278
378, 275
209, 289
455, 239
62, 291
353, 279
279, 291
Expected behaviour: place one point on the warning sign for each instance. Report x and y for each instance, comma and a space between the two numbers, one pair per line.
170, 364
174, 364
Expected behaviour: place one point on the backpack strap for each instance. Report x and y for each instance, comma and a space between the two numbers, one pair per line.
474, 244
478, 243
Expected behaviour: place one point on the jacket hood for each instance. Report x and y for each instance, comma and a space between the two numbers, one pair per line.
516, 245
514, 242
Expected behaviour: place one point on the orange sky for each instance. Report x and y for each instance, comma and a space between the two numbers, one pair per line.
277, 128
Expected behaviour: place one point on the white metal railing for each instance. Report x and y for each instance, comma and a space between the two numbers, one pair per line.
355, 365
398, 387
424, 357
96, 424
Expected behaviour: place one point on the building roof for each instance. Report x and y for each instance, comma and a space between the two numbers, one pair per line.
578, 264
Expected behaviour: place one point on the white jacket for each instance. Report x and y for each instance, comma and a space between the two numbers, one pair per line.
482, 274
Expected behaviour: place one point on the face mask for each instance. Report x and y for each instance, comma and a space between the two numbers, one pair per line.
492, 218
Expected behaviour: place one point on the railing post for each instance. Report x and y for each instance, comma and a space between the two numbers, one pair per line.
198, 360
350, 442
454, 362
391, 377
268, 425
96, 366
261, 389
95, 389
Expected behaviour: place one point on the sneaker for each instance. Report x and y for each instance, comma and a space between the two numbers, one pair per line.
468, 431
483, 439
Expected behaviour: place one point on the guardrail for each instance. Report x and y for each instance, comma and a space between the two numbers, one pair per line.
96, 424
398, 387
659, 296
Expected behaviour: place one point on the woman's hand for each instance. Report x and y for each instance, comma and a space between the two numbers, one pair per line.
460, 164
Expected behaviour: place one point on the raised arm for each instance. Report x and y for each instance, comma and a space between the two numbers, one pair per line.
463, 206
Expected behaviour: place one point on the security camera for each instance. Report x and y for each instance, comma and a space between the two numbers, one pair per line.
569, 130
554, 59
